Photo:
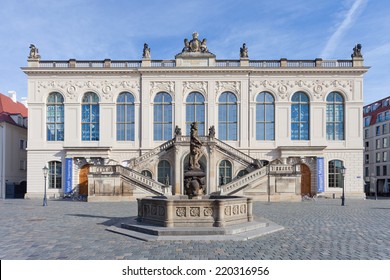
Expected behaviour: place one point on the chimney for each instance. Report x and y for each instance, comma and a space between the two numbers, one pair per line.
12, 95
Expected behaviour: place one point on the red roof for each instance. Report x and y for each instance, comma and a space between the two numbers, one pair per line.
7, 105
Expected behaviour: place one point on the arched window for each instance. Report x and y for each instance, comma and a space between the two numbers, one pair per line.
146, 173
164, 172
225, 172
162, 116
227, 116
265, 117
242, 173
55, 117
335, 116
300, 119
90, 117
195, 112
334, 173
125, 117
55, 175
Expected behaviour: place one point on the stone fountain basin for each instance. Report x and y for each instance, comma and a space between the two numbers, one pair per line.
209, 211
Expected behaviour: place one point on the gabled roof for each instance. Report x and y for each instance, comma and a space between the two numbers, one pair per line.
7, 105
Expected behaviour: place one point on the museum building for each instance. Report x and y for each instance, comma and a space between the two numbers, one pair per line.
270, 129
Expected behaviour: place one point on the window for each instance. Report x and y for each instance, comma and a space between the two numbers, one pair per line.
379, 118
147, 173
366, 145
384, 156
334, 173
367, 159
300, 119
378, 143
227, 116
378, 157
22, 145
22, 165
265, 117
367, 121
195, 112
55, 175
125, 121
384, 143
378, 130
55, 117
384, 128
164, 172
366, 172
90, 117
384, 170
366, 133
378, 171
162, 117
242, 173
335, 116
387, 115
225, 172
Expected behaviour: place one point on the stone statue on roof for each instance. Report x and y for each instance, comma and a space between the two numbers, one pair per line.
195, 45
357, 51
146, 51
34, 53
244, 51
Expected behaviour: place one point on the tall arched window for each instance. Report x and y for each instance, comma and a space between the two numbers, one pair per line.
335, 116
164, 172
55, 117
162, 116
125, 117
195, 112
55, 175
147, 173
300, 119
334, 173
225, 172
265, 117
227, 116
90, 117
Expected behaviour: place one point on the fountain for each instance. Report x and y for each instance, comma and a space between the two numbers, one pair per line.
195, 214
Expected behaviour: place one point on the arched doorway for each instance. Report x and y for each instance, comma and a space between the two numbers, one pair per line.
305, 180
83, 180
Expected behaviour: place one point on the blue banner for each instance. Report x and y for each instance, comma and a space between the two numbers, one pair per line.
68, 175
320, 175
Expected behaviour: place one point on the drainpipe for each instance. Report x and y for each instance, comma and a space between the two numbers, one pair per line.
2, 161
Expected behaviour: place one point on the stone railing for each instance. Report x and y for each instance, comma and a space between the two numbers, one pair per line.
237, 154
155, 151
282, 63
241, 182
141, 180
282, 169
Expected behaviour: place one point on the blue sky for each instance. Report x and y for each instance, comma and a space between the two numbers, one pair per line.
272, 29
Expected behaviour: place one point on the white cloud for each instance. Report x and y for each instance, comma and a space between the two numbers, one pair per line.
350, 16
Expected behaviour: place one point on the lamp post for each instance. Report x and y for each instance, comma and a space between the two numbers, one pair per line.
342, 170
45, 171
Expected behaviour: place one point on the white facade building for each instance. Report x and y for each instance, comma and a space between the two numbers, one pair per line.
98, 124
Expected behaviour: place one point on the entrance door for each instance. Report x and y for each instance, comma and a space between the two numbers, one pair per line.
305, 180
83, 180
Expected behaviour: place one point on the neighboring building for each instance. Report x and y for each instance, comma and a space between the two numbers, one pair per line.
119, 129
376, 147
13, 144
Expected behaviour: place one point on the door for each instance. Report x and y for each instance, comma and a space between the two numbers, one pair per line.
83, 180
305, 180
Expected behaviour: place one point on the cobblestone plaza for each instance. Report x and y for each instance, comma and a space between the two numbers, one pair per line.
73, 230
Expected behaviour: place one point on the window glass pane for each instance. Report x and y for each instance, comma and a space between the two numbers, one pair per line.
158, 132
269, 98
222, 131
260, 114
260, 129
270, 131
269, 109
295, 131
232, 113
294, 112
222, 113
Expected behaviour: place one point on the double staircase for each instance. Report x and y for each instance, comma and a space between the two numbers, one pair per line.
255, 170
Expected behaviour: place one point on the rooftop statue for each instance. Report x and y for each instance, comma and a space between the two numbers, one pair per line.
195, 45
146, 51
244, 51
357, 51
34, 54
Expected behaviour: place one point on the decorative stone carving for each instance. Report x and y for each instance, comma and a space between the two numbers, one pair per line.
161, 211
195, 212
162, 86
177, 131
195, 86
243, 209
228, 211
195, 148
154, 210
181, 211
212, 132
236, 210
195, 45
228, 86
208, 211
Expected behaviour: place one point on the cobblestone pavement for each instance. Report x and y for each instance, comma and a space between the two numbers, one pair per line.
319, 229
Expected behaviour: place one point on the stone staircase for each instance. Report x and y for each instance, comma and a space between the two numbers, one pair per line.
149, 185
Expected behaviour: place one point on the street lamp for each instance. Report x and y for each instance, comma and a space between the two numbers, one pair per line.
45, 171
342, 170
